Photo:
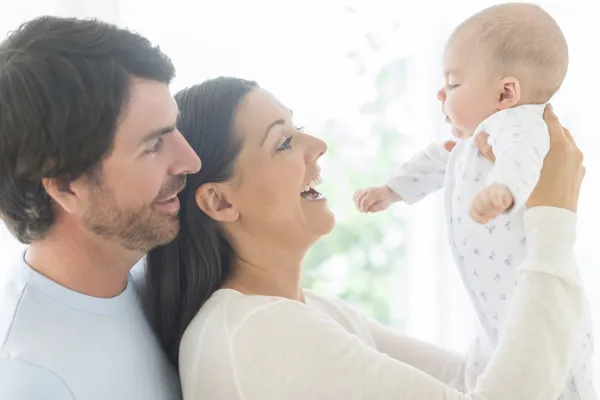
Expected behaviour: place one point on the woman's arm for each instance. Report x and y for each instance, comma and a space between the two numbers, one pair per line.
291, 351
442, 364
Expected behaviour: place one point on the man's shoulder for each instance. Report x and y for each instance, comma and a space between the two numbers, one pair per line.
12, 289
20, 379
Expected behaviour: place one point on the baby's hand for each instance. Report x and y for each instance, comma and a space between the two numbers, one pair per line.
492, 201
375, 199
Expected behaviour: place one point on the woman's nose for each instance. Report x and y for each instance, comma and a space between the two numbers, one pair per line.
315, 149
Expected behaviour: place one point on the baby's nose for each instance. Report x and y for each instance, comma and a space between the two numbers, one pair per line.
441, 95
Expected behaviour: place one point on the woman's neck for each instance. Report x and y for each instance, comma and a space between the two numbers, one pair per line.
267, 278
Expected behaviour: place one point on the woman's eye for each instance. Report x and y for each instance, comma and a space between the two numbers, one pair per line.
286, 145
450, 87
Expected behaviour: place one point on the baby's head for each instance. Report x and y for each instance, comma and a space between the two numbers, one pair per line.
501, 57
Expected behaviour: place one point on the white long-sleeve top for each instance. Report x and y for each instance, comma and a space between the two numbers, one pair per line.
260, 348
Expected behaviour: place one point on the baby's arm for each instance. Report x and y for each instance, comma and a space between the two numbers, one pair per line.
520, 148
422, 175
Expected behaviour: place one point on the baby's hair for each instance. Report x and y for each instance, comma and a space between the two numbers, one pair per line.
520, 40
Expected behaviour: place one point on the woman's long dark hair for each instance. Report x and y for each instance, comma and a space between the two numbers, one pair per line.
183, 274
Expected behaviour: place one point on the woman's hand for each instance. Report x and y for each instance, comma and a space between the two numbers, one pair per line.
481, 141
563, 170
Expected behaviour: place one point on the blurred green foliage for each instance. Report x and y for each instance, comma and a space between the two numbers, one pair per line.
361, 260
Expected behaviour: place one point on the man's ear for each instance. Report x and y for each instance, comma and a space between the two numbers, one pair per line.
64, 193
510, 93
212, 199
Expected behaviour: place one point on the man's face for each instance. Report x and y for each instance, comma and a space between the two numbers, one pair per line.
133, 199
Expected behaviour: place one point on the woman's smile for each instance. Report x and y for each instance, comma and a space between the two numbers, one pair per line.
310, 193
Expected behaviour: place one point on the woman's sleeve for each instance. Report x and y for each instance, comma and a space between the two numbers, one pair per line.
447, 366
291, 351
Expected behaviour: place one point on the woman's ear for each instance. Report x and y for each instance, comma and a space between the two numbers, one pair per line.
212, 199
510, 93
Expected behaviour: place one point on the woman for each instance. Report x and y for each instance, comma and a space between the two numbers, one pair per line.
225, 296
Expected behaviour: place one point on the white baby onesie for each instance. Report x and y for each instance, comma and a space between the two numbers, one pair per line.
487, 255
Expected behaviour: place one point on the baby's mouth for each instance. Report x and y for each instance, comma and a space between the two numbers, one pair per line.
309, 191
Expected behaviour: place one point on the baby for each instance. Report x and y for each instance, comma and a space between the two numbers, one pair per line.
501, 66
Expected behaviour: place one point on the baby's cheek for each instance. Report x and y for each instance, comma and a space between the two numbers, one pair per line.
456, 111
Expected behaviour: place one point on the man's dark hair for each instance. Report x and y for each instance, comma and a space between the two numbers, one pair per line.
63, 85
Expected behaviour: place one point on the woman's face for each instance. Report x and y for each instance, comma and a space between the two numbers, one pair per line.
276, 164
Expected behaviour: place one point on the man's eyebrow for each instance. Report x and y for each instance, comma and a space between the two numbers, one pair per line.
156, 133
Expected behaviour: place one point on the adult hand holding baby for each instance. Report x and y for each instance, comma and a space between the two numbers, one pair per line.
563, 170
481, 141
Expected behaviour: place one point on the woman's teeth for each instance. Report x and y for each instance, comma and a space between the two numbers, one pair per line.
316, 181
309, 192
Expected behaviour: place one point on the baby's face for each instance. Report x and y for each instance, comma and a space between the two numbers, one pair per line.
469, 95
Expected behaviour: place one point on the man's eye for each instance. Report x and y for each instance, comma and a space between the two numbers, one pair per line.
157, 145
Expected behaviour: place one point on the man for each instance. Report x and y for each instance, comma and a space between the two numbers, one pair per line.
90, 165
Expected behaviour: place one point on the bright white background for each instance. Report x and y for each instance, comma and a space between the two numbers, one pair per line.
297, 49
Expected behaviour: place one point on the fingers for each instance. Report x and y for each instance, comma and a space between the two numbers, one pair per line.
449, 145
568, 135
364, 199
481, 141
572, 140
478, 217
370, 200
366, 202
557, 133
560, 134
378, 206
358, 197
490, 202
582, 173
477, 211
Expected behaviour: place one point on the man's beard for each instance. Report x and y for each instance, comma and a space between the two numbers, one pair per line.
140, 229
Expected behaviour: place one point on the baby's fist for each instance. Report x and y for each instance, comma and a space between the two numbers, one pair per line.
375, 199
492, 201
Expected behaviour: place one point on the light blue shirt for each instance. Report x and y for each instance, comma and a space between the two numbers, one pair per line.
57, 344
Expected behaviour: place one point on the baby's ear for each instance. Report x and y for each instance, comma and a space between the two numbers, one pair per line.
510, 93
